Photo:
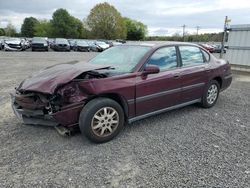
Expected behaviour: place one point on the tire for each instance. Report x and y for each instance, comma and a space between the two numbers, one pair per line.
101, 133
207, 101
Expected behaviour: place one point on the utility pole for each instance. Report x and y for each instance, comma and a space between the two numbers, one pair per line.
224, 35
183, 31
197, 32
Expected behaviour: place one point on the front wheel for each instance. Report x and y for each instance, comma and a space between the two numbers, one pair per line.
101, 120
211, 94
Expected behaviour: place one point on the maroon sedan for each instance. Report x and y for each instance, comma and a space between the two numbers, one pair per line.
123, 84
208, 47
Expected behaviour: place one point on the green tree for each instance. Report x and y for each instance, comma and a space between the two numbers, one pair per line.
28, 27
78, 28
65, 25
106, 22
2, 32
10, 30
43, 29
135, 30
86, 33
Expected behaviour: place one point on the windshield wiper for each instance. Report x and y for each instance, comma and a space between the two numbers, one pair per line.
109, 68
113, 68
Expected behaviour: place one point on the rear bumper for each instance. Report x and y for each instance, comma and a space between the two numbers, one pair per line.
226, 81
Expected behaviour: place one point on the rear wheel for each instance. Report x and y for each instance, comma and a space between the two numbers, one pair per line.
101, 120
211, 94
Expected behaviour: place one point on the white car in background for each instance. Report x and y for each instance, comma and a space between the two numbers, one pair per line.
102, 45
14, 44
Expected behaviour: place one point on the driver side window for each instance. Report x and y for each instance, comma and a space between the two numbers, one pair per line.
165, 58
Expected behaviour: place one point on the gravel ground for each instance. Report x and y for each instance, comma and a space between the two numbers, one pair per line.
189, 147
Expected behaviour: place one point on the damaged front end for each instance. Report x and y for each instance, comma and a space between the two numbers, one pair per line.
32, 108
38, 109
61, 107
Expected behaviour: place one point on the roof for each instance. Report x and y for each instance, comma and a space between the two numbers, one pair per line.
240, 27
157, 44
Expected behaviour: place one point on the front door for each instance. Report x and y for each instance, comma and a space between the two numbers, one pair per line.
158, 91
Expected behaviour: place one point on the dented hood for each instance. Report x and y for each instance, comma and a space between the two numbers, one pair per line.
47, 80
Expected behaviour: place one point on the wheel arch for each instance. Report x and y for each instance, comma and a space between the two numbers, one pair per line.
219, 80
116, 97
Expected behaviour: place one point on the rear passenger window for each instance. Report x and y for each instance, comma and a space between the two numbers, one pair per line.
191, 56
206, 56
165, 58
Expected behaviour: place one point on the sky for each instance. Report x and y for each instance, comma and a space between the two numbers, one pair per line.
163, 17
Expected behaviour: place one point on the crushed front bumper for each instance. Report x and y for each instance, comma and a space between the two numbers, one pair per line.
32, 117
8, 48
68, 116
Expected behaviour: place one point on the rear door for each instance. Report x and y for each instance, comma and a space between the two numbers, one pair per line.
194, 71
161, 90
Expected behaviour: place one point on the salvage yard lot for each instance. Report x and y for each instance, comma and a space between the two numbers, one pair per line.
189, 147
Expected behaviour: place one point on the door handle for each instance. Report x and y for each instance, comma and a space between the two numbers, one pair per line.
177, 76
208, 70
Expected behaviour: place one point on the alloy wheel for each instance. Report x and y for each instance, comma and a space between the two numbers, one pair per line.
212, 94
105, 121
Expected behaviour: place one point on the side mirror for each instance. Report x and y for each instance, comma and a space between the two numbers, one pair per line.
151, 69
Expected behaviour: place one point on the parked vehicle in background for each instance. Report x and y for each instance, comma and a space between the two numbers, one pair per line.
121, 41
61, 44
39, 43
117, 43
72, 43
101, 46
14, 44
208, 47
110, 43
82, 46
26, 43
218, 48
125, 83
93, 47
2, 39
50, 42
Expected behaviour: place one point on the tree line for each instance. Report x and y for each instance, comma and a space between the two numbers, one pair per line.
206, 37
103, 22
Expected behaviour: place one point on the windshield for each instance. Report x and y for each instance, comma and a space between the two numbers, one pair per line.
62, 41
38, 40
100, 43
13, 39
121, 59
81, 42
